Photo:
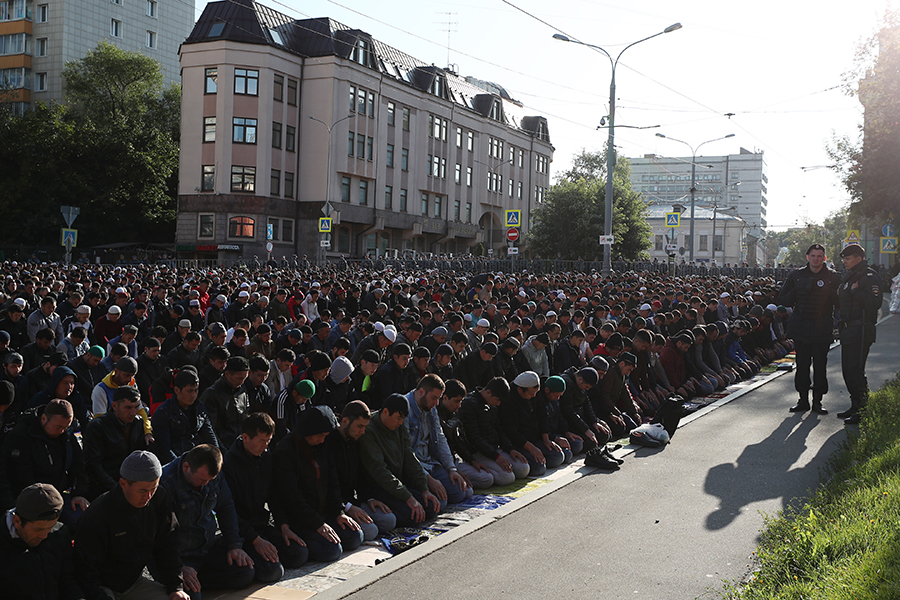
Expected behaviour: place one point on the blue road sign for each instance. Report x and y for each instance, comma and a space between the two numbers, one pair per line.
513, 218
888, 230
889, 245
673, 219
324, 225
68, 238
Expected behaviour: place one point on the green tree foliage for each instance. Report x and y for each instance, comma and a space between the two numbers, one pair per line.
799, 239
868, 165
571, 218
111, 150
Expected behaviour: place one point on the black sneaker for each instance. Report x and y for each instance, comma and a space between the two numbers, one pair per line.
800, 407
817, 408
846, 413
852, 419
608, 454
596, 458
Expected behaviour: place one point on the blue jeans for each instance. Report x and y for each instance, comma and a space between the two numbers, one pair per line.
455, 494
552, 459
401, 510
322, 550
382, 522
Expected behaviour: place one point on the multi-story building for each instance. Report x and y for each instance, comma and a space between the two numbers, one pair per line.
727, 231
281, 115
735, 183
38, 37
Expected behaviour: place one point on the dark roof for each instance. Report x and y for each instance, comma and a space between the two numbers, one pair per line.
248, 22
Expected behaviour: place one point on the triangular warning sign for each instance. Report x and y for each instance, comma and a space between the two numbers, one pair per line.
853, 237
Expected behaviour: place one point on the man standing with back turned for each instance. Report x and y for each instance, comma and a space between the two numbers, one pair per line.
812, 291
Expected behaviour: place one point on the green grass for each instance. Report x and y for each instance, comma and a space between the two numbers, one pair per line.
845, 542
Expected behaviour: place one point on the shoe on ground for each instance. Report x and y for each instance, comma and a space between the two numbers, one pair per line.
600, 461
846, 413
852, 419
817, 408
800, 407
609, 455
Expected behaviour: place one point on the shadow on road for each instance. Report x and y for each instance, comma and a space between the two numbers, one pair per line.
763, 471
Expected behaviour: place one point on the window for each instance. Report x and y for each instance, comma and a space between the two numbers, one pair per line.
388, 197
246, 81
519, 191
437, 207
244, 131
704, 243
361, 101
241, 227
115, 28
443, 168
13, 9
425, 204
360, 145
208, 183
289, 187
119, 2
438, 127
276, 135
292, 92
282, 229
151, 40
345, 189
351, 143
495, 148
352, 98
40, 47
370, 142
468, 176
389, 156
275, 183
658, 243
216, 29
371, 104
206, 225
468, 212
403, 205
43, 13
363, 192
290, 136
405, 119
152, 8
543, 164
391, 110
209, 129
521, 158
243, 179
456, 206
718, 242
458, 177
211, 77
459, 137
404, 159
470, 143
15, 43
278, 88
40, 82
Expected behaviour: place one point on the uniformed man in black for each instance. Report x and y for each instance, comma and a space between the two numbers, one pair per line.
812, 291
859, 296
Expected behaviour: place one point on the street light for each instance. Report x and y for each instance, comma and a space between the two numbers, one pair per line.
329, 128
611, 144
693, 176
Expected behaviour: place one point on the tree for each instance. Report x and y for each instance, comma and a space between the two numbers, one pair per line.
868, 164
111, 150
571, 218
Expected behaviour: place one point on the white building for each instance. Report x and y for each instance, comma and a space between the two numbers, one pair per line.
737, 181
38, 38
730, 235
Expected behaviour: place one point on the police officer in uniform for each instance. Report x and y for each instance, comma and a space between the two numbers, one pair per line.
859, 295
812, 291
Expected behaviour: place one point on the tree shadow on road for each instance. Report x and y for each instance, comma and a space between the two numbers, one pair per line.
764, 470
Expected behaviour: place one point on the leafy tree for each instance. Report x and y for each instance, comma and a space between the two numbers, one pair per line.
111, 150
868, 164
571, 218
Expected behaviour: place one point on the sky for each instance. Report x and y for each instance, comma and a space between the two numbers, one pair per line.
777, 67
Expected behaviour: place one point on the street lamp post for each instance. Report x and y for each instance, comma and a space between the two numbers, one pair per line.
328, 177
693, 177
611, 143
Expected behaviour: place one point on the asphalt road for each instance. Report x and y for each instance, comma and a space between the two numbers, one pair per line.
672, 523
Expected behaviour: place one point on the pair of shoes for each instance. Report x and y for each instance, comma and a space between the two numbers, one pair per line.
846, 413
817, 408
800, 407
608, 454
852, 419
614, 447
596, 458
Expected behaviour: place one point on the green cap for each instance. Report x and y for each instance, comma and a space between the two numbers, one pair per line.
306, 388
97, 351
556, 384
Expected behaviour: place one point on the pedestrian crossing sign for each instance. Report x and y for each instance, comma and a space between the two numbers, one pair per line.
513, 218
673, 219
68, 237
324, 224
889, 245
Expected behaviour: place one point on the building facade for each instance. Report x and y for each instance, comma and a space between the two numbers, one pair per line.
281, 115
735, 182
724, 229
38, 38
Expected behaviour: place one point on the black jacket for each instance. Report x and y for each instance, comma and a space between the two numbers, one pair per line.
813, 297
250, 481
227, 407
308, 491
175, 430
115, 541
481, 426
41, 573
390, 379
575, 406
524, 420
345, 455
107, 442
